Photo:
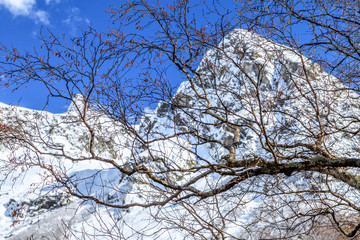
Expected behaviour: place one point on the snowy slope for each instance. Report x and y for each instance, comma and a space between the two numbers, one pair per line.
52, 134
249, 76
252, 72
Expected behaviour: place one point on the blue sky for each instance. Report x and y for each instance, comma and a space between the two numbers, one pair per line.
20, 23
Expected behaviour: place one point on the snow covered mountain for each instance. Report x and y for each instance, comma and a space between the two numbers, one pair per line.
247, 92
257, 79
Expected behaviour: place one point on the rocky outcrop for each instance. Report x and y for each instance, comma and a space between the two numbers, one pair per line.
18, 210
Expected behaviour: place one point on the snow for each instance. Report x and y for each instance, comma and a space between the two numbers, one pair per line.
66, 134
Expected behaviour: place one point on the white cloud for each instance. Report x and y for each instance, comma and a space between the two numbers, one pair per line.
74, 20
18, 7
51, 1
25, 8
41, 16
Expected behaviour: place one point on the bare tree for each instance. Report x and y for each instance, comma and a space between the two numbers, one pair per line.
260, 140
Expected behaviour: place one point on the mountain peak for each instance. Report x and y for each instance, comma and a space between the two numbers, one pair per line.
77, 103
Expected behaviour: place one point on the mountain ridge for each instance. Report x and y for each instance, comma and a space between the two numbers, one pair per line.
247, 91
